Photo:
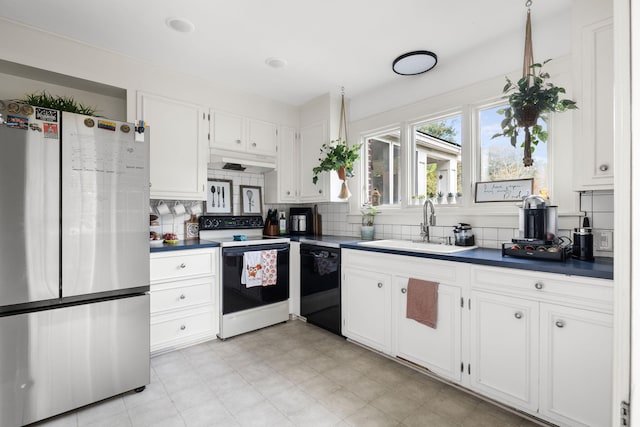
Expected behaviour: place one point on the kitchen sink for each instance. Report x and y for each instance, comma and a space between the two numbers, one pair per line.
416, 246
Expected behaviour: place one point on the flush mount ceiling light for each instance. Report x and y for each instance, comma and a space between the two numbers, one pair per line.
180, 25
275, 62
416, 62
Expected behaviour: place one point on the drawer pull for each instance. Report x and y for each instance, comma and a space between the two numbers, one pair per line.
254, 145
183, 327
518, 315
379, 284
182, 296
183, 265
560, 324
238, 141
539, 285
403, 290
604, 168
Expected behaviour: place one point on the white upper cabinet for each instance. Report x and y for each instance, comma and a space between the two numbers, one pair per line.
228, 131
311, 139
237, 133
281, 185
178, 157
594, 128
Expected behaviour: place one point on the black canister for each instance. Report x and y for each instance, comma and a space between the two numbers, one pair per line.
582, 244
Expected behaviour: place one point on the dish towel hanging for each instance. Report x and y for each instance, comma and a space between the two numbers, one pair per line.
422, 301
269, 267
251, 269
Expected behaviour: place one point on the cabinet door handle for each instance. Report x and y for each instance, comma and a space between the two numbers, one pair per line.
518, 315
379, 284
238, 141
183, 327
604, 168
288, 193
403, 290
182, 296
320, 191
183, 265
539, 285
560, 324
254, 144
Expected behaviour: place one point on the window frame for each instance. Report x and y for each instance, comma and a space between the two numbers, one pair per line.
471, 151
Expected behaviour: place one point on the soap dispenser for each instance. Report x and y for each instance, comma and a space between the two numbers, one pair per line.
282, 220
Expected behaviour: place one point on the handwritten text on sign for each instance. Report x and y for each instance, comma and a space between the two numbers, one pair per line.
503, 191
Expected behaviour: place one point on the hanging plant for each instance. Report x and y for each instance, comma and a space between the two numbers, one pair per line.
337, 155
57, 102
530, 99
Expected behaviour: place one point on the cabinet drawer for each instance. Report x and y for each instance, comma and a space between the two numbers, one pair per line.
183, 294
575, 290
181, 328
178, 265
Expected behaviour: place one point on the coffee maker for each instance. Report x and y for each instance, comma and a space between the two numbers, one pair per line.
538, 222
301, 221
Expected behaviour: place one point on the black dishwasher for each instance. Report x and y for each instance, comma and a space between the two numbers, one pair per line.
320, 286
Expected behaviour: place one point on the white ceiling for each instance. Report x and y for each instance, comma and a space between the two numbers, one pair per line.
327, 43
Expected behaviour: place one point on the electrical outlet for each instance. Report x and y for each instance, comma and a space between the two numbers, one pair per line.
603, 240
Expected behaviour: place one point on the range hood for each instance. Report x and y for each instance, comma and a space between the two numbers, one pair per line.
241, 162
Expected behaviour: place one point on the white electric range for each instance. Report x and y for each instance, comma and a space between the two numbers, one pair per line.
244, 309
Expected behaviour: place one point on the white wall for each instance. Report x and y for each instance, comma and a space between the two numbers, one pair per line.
49, 52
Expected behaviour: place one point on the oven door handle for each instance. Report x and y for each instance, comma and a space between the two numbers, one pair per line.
240, 251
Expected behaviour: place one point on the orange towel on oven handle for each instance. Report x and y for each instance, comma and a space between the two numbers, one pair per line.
422, 301
269, 267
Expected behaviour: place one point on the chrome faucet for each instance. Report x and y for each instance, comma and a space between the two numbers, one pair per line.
427, 219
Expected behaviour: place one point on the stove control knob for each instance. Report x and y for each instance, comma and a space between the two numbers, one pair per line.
210, 224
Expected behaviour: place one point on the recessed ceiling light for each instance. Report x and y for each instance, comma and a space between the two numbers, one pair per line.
416, 62
275, 62
180, 25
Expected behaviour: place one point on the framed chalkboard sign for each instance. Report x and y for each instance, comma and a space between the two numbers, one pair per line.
513, 190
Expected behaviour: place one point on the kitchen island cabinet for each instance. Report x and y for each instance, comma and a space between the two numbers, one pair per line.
184, 298
178, 153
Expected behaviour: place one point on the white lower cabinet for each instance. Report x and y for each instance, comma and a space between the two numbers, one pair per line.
504, 349
437, 349
374, 307
184, 298
538, 342
576, 362
366, 308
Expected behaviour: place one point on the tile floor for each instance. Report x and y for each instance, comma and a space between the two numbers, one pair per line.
291, 374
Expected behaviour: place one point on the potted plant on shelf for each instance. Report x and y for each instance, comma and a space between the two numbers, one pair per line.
368, 214
57, 102
451, 199
530, 99
339, 157
439, 197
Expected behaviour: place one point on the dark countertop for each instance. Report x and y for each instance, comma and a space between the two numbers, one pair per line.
330, 241
185, 244
601, 268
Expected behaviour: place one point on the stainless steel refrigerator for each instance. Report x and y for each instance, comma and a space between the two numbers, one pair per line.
74, 261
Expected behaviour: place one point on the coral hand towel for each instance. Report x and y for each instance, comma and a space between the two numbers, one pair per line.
422, 301
269, 267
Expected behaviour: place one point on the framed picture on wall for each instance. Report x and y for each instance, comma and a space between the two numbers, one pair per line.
250, 200
219, 197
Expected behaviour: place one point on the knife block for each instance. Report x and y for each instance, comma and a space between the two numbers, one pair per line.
271, 230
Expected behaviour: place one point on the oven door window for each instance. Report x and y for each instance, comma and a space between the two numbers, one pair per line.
236, 296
